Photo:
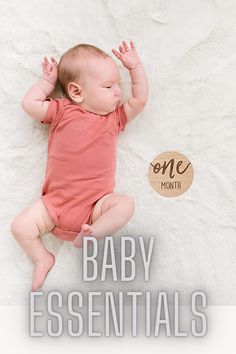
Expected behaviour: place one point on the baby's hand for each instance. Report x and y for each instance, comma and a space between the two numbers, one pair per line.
50, 70
128, 56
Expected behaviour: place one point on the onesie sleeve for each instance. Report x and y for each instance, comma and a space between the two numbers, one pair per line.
54, 111
121, 118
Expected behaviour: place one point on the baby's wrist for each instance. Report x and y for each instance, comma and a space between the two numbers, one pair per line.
136, 66
52, 82
46, 86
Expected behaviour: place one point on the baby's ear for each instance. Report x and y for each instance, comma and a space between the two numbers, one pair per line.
74, 91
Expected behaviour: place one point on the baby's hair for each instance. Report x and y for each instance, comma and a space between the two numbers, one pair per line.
68, 73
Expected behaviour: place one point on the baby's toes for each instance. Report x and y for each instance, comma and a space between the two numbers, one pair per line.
91, 231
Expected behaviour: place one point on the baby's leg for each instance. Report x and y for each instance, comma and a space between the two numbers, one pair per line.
26, 228
110, 214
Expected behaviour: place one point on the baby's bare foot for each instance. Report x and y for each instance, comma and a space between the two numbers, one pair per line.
86, 230
41, 270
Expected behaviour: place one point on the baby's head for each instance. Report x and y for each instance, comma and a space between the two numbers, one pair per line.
90, 77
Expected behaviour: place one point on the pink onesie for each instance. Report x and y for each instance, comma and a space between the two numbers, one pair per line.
81, 163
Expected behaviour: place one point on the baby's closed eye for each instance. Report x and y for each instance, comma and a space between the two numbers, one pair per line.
110, 85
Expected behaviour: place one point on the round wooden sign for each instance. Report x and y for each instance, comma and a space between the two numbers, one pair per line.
170, 174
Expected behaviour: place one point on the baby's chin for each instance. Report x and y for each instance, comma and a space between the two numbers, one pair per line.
102, 112
108, 111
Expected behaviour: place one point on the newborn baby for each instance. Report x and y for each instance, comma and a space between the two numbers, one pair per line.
77, 197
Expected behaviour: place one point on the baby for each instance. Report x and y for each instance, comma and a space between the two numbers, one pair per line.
77, 197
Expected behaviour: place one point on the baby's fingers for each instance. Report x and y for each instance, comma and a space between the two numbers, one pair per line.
54, 61
125, 46
44, 66
132, 45
117, 54
46, 62
121, 49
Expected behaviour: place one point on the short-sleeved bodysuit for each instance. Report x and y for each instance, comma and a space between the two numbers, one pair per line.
81, 163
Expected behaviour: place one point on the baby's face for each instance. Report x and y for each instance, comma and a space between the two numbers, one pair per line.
101, 90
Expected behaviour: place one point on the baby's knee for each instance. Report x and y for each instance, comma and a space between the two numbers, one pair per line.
22, 226
17, 226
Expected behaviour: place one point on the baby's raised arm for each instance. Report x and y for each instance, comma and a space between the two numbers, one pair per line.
130, 59
34, 102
